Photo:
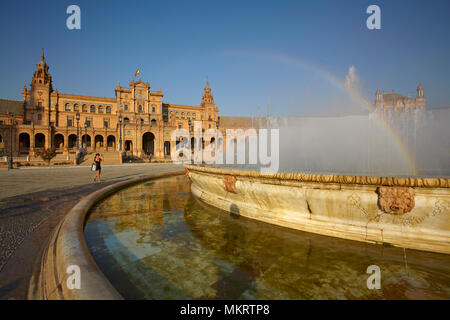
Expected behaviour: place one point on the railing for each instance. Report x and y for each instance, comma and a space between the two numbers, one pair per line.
34, 159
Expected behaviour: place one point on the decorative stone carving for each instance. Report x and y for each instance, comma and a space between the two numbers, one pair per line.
396, 200
186, 172
440, 207
229, 183
361, 180
355, 200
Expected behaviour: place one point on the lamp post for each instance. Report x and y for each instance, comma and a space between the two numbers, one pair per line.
10, 160
120, 132
190, 130
78, 130
85, 133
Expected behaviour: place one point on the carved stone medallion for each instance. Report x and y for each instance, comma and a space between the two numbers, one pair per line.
396, 200
229, 183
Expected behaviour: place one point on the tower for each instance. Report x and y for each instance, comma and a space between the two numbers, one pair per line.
420, 91
208, 105
41, 77
38, 104
207, 98
378, 99
420, 100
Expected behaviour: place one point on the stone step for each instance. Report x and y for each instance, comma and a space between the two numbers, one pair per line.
107, 158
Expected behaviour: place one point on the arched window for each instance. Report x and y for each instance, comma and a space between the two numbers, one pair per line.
75, 107
126, 120
140, 109
182, 115
100, 109
193, 115
108, 109
126, 107
153, 109
92, 109
153, 122
176, 114
67, 108
84, 108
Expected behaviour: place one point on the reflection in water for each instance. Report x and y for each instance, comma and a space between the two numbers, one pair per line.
155, 241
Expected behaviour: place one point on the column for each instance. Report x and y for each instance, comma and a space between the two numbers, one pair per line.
66, 143
105, 141
94, 148
31, 153
161, 143
138, 139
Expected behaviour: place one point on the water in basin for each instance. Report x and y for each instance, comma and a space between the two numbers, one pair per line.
156, 241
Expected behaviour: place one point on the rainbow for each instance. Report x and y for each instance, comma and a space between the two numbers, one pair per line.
338, 83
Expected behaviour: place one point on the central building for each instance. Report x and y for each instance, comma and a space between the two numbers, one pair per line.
136, 122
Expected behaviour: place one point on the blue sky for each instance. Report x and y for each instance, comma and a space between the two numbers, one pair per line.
256, 54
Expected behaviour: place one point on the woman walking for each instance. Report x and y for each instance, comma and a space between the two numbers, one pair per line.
98, 168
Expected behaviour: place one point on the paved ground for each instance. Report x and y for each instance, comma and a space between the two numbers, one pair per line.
33, 201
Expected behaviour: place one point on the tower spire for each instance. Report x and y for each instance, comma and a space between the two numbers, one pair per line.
207, 95
378, 98
42, 57
41, 76
420, 91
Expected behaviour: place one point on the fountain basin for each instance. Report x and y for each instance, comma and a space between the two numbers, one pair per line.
405, 212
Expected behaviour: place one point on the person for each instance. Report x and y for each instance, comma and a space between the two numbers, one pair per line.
98, 168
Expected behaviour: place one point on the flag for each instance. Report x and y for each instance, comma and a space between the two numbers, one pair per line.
137, 72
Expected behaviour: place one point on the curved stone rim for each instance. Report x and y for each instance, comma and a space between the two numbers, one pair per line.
366, 213
67, 246
324, 178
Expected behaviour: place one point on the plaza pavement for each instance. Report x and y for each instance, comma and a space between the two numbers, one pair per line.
34, 200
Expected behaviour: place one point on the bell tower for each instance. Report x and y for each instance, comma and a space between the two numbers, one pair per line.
420, 91
421, 102
378, 99
41, 77
207, 98
209, 106
38, 108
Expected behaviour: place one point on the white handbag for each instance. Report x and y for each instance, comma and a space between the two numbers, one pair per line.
94, 167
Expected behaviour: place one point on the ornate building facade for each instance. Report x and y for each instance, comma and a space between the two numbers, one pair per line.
135, 122
399, 103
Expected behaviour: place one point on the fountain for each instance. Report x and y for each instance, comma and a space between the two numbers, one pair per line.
375, 179
154, 240
380, 178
